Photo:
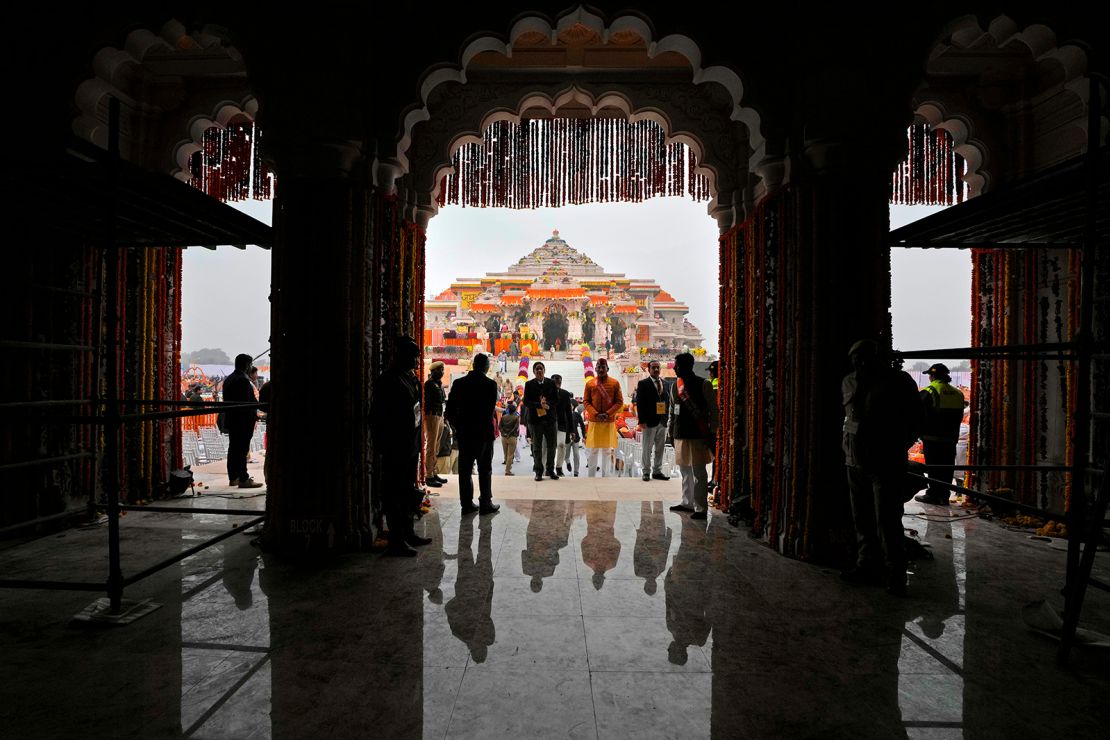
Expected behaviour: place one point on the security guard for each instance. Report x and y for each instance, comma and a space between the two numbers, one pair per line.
944, 411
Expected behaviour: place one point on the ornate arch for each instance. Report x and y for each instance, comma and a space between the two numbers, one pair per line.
147, 75
471, 100
1055, 109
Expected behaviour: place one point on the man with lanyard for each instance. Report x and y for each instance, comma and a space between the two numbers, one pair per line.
395, 419
433, 422
603, 401
652, 407
541, 398
944, 411
564, 420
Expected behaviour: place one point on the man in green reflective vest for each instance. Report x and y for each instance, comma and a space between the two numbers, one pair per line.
944, 411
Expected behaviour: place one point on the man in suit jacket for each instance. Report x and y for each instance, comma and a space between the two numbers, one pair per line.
470, 410
564, 420
652, 407
541, 398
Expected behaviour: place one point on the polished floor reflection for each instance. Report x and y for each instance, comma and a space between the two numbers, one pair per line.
549, 619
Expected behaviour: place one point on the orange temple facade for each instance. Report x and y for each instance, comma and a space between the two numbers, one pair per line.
555, 277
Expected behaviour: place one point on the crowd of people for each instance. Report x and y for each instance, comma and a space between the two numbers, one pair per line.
477, 410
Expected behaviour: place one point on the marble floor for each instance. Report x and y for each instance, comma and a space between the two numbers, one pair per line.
586, 619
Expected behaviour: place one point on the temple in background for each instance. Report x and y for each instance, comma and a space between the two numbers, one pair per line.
560, 293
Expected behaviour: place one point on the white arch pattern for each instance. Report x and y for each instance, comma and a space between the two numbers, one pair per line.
1062, 67
535, 23
595, 104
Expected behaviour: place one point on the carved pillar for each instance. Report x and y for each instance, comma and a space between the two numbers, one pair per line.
318, 467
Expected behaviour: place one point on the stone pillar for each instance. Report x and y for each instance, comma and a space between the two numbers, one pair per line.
318, 484
847, 192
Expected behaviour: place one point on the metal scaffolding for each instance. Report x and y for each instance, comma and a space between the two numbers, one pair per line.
116, 206
1065, 207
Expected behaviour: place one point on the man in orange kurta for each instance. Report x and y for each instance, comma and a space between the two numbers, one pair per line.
603, 401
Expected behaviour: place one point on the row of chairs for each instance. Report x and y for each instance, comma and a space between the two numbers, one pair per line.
630, 452
211, 446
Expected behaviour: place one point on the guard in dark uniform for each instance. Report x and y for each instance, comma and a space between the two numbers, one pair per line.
396, 419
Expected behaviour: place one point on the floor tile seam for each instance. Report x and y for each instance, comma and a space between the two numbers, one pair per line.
682, 672
455, 700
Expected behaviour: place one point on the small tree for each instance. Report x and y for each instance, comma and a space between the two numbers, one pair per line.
207, 356
920, 366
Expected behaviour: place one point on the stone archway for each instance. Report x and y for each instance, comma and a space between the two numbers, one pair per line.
555, 326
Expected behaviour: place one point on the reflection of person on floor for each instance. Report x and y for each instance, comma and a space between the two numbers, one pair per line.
469, 612
548, 533
653, 543
687, 596
600, 547
238, 578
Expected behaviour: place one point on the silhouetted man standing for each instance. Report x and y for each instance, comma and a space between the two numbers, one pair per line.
238, 388
470, 410
396, 419
882, 418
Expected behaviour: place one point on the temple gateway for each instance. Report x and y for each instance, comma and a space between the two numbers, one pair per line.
559, 293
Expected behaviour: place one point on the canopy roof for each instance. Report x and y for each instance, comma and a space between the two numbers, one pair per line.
84, 196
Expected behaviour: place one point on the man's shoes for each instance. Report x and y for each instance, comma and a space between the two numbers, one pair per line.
575, 473
659, 476
440, 478
862, 576
432, 482
539, 476
400, 551
248, 482
509, 472
700, 515
553, 475
489, 509
925, 498
233, 482
417, 541
646, 477
681, 507
468, 509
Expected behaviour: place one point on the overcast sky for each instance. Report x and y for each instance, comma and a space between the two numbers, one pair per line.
670, 240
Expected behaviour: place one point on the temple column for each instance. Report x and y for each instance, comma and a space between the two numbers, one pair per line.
318, 458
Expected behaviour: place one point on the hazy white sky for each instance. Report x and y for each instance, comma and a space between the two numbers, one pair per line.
670, 240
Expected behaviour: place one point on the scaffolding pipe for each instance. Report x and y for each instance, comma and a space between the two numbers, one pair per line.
112, 433
1078, 571
187, 510
191, 551
42, 520
45, 461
